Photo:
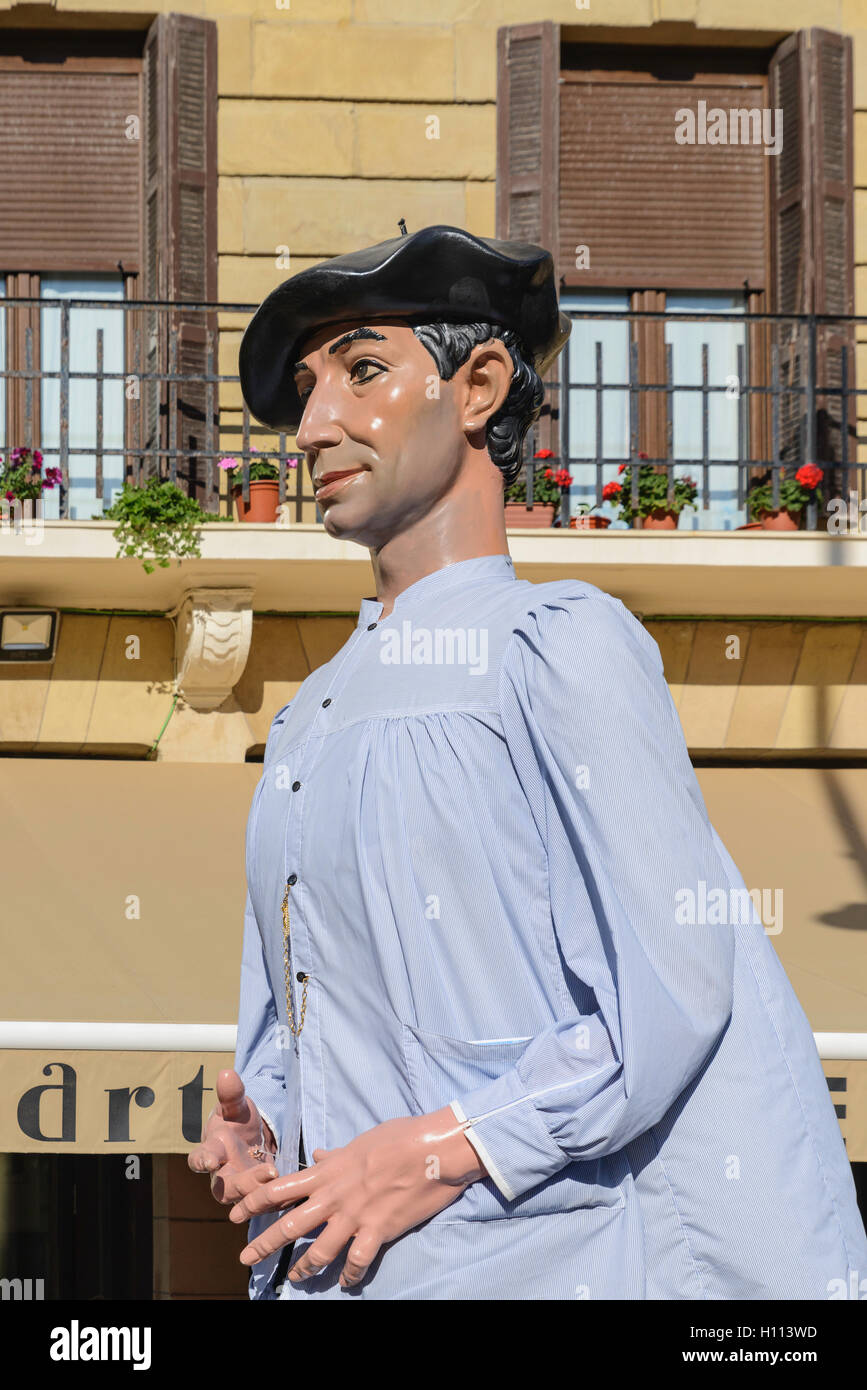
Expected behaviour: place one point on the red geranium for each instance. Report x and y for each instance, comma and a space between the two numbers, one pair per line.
544, 454
808, 475
611, 490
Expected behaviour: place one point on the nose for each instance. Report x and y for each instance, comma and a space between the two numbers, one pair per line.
318, 428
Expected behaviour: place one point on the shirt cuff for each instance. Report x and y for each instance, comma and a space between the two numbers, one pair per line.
513, 1141
253, 1092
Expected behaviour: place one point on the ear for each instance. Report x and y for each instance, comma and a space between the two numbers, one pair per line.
487, 376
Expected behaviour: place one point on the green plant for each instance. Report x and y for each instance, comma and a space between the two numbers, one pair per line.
652, 492
158, 522
547, 484
261, 471
794, 492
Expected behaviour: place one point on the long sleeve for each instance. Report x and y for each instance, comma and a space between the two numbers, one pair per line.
598, 748
258, 1059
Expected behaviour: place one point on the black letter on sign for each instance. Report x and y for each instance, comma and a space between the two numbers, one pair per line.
191, 1107
118, 1111
28, 1107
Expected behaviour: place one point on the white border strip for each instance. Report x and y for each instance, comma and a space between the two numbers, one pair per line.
220, 1037
842, 1047
121, 1037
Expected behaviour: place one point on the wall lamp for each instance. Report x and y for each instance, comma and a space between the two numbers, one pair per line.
28, 634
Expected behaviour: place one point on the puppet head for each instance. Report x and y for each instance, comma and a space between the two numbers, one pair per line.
340, 355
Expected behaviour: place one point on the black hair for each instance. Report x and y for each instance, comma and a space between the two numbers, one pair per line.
450, 344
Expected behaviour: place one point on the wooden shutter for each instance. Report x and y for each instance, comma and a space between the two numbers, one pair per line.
69, 159
180, 231
813, 233
528, 66
653, 213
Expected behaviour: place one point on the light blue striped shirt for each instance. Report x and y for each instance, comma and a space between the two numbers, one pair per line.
506, 895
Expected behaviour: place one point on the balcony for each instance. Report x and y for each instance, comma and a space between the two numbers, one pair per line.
120, 390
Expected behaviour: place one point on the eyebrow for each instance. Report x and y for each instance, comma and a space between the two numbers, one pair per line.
343, 342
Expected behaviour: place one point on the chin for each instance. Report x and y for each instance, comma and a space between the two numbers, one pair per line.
341, 523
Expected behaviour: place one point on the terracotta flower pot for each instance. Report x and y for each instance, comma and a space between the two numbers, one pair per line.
660, 519
589, 522
543, 514
781, 520
264, 501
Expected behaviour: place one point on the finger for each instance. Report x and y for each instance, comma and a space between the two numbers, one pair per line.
207, 1158
250, 1178
360, 1256
231, 1097
318, 1154
224, 1185
269, 1196
286, 1229
324, 1249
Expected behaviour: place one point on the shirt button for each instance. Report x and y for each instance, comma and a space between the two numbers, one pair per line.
371, 626
295, 786
293, 878
300, 977
327, 702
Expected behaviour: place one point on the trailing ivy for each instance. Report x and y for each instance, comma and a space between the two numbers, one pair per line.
158, 523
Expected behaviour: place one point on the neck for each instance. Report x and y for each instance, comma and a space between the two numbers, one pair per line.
468, 522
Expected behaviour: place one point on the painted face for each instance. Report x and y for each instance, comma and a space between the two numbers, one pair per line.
380, 429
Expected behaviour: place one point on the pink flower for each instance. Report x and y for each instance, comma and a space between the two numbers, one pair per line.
228, 464
37, 457
10, 496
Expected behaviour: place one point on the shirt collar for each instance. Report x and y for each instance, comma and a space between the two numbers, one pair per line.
464, 572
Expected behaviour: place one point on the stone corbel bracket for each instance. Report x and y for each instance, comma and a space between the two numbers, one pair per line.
212, 643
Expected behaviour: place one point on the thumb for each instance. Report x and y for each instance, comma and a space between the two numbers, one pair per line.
231, 1097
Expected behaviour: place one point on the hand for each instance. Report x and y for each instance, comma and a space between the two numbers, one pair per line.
369, 1192
232, 1132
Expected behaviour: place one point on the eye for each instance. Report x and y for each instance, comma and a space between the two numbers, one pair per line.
353, 373
365, 362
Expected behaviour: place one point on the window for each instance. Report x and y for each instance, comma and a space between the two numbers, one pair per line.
109, 191
724, 410
84, 323
590, 166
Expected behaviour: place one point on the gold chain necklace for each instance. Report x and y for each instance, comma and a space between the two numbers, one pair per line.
287, 970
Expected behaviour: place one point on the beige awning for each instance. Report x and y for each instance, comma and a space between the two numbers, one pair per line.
803, 831
122, 889
122, 904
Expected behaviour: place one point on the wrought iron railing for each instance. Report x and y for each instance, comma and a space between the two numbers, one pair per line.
156, 403
172, 421
794, 395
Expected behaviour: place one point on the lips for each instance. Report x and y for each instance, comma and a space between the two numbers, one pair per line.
333, 475
331, 481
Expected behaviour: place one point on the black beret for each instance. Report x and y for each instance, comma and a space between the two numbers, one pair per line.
438, 274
